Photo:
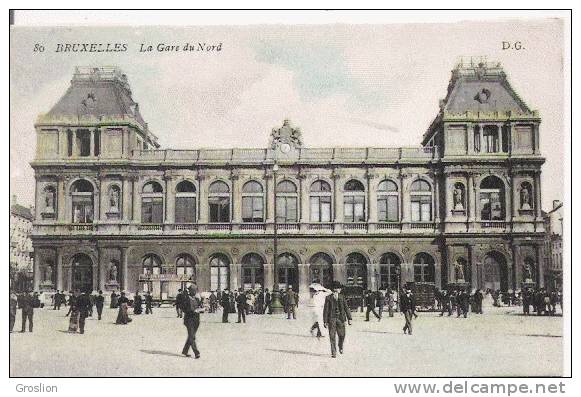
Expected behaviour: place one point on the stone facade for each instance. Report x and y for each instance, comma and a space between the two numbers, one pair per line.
113, 209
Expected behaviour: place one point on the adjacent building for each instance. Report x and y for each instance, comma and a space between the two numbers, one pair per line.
21, 257
553, 258
115, 211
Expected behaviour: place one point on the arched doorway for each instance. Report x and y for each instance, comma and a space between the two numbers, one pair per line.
288, 271
321, 269
356, 265
495, 274
389, 271
252, 271
82, 266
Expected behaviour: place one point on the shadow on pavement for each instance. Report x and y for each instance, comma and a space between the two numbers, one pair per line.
298, 352
381, 332
161, 353
287, 334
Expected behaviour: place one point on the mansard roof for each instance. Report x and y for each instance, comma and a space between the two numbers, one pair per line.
100, 93
21, 211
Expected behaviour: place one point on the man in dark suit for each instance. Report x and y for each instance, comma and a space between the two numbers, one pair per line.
192, 308
179, 301
241, 302
370, 305
57, 300
148, 303
292, 300
225, 302
267, 301
27, 306
408, 307
84, 305
99, 302
335, 313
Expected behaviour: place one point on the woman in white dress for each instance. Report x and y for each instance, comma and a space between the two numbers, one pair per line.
316, 305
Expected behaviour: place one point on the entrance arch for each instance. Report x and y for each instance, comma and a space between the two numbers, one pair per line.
356, 265
82, 266
321, 269
252, 271
495, 271
288, 271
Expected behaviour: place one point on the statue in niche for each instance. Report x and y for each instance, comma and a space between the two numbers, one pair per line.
459, 270
525, 197
112, 272
48, 274
49, 200
114, 199
527, 271
458, 195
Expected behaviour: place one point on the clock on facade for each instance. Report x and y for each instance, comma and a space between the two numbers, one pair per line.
285, 148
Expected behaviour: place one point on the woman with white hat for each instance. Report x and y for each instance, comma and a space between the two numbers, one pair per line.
316, 305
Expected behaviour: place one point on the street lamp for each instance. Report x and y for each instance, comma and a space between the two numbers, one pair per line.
275, 306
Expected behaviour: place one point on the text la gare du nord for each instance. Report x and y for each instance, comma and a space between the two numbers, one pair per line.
187, 47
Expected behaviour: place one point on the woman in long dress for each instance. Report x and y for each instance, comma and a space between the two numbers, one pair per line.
123, 316
316, 304
74, 319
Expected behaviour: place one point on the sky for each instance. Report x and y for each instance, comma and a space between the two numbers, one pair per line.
343, 85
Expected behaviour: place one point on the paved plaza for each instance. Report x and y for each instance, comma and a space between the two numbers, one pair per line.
500, 342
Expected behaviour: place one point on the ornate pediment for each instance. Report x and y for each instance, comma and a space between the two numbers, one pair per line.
286, 137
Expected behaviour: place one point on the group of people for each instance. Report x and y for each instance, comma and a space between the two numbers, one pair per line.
459, 301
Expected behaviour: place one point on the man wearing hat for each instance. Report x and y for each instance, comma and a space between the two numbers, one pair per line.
192, 307
335, 313
370, 304
291, 303
241, 302
408, 307
225, 302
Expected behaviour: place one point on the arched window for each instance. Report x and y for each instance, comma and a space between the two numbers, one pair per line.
421, 201
321, 269
492, 207
354, 201
186, 266
219, 202
387, 202
320, 197
252, 271
356, 270
424, 268
252, 202
152, 203
151, 264
389, 269
185, 211
82, 201
219, 272
288, 271
286, 202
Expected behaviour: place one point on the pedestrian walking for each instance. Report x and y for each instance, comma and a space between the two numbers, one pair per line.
335, 314
390, 302
84, 305
292, 300
213, 302
408, 306
225, 303
123, 316
56, 300
179, 302
13, 310
192, 308
370, 305
260, 302
380, 302
478, 298
137, 302
114, 299
99, 303
148, 303
267, 301
71, 302
27, 304
316, 305
74, 312
241, 302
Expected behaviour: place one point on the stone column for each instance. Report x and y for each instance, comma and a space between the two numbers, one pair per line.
337, 216
124, 269
236, 198
305, 204
339, 273
75, 149
169, 199
136, 200
436, 200
371, 198
372, 275
537, 193
37, 275
269, 193
61, 200
539, 266
473, 267
92, 144
59, 268
102, 269
304, 281
235, 276
268, 276
470, 130
126, 197
202, 199
403, 217
203, 276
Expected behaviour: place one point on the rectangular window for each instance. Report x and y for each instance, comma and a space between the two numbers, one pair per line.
152, 210
491, 206
321, 209
69, 143
252, 209
219, 209
97, 143
185, 210
82, 210
84, 143
286, 209
490, 140
387, 209
421, 207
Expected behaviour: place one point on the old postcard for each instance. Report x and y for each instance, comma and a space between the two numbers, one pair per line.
288, 200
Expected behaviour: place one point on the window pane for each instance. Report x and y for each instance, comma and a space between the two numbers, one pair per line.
426, 212
315, 217
326, 211
185, 210
392, 209
382, 209
415, 207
